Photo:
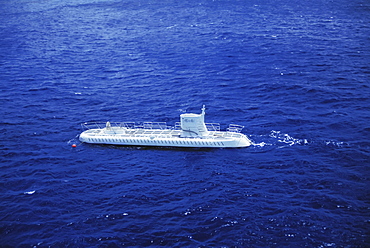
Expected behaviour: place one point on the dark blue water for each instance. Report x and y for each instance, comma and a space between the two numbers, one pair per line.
296, 74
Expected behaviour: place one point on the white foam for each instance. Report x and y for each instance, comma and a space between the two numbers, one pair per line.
287, 139
29, 192
261, 144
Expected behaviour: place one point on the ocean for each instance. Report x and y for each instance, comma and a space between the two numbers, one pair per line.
296, 74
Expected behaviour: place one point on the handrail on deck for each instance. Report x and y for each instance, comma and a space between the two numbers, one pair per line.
235, 128
128, 125
156, 125
213, 127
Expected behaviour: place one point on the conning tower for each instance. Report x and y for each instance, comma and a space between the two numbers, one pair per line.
192, 125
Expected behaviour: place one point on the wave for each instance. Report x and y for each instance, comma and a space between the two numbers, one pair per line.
281, 140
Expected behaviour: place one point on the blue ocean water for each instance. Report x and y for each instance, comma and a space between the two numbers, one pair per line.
295, 73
